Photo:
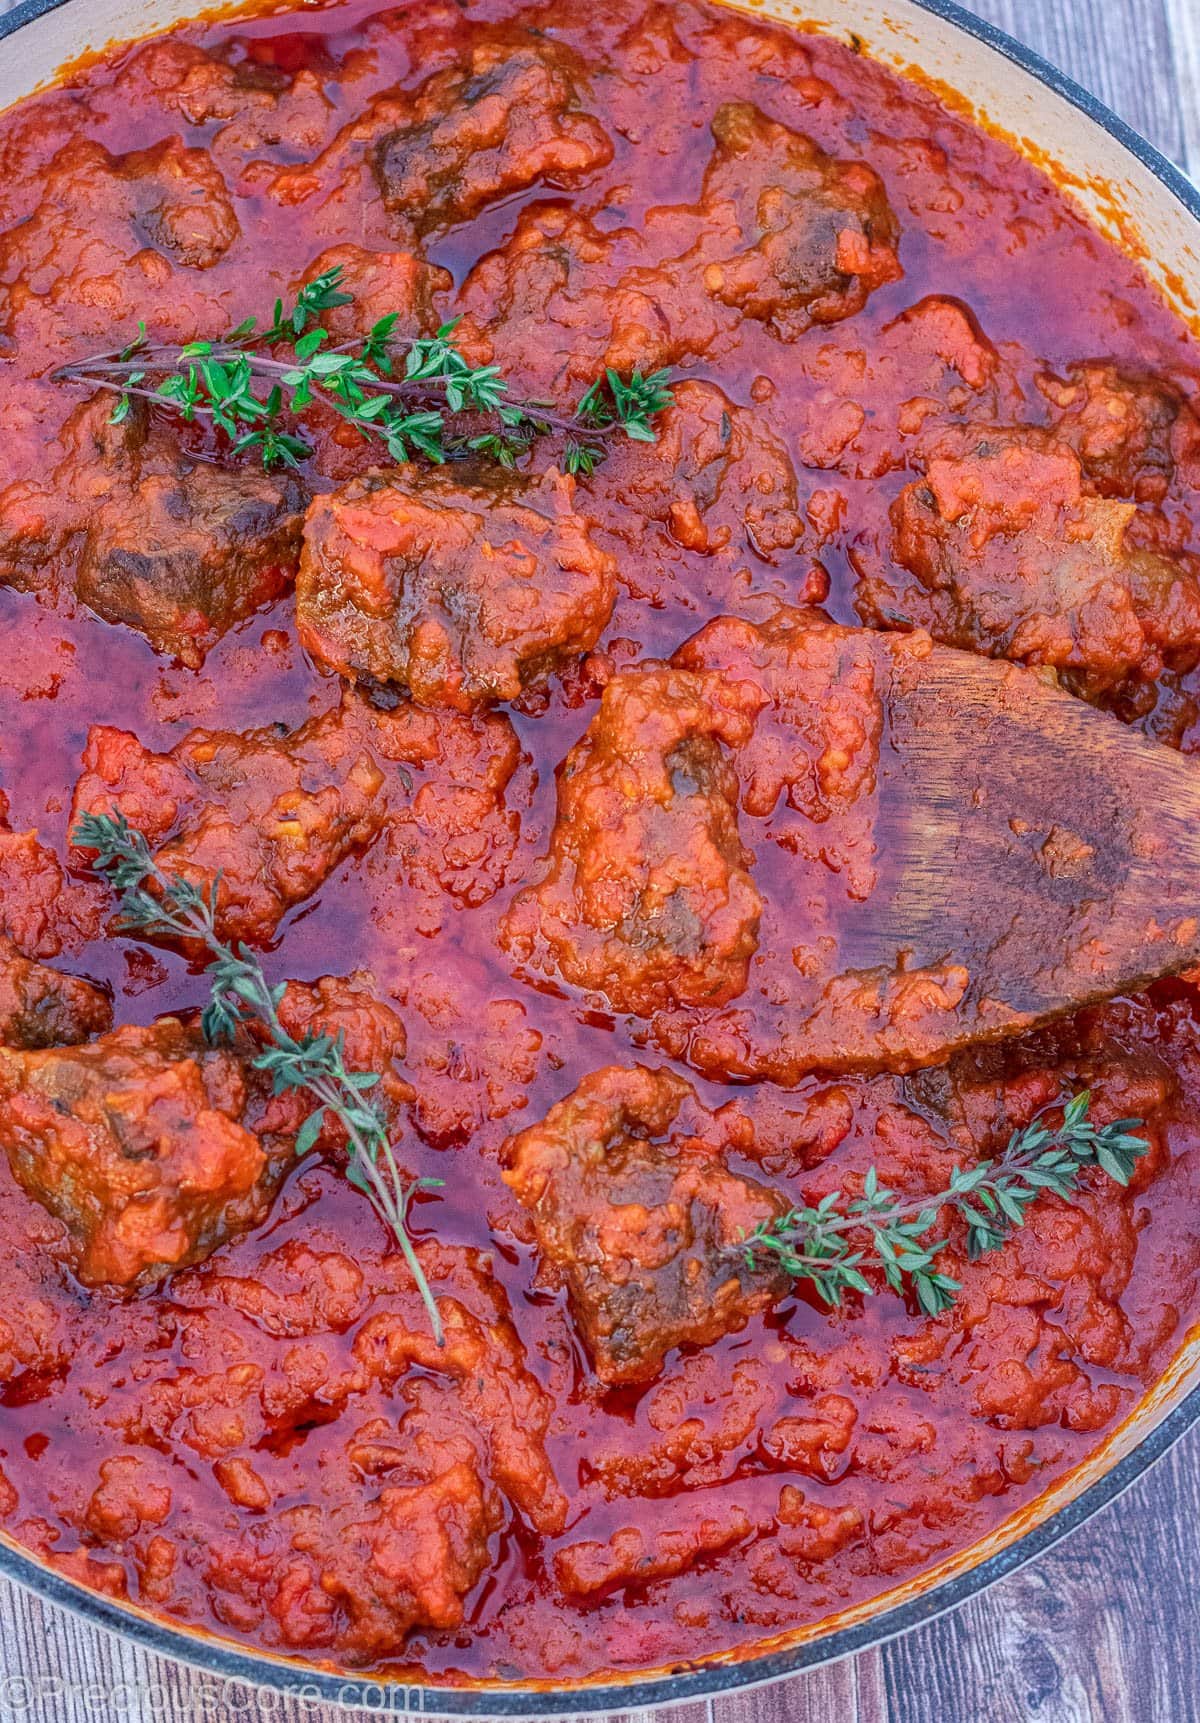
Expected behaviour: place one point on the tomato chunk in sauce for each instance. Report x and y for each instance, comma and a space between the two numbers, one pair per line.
507, 775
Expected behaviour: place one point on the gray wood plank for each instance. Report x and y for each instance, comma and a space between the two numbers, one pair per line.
1103, 1629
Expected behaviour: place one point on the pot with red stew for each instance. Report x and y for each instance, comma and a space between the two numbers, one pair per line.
448, 455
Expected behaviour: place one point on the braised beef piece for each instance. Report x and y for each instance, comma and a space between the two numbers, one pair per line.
511, 117
564, 299
178, 548
43, 914
154, 1147
646, 1233
398, 284
99, 211
1008, 555
138, 1142
646, 899
1132, 431
269, 813
493, 118
792, 236
42, 1007
42, 911
461, 593
184, 556
249, 107
716, 475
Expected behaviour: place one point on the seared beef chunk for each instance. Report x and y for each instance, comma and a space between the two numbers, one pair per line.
563, 299
715, 474
645, 1233
463, 594
435, 1447
884, 400
154, 1147
270, 814
1131, 431
507, 120
1009, 556
505, 114
109, 234
138, 1142
39, 1007
42, 912
253, 107
403, 1557
183, 556
646, 899
792, 237
177, 548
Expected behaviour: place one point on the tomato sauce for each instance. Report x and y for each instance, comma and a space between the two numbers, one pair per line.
262, 1443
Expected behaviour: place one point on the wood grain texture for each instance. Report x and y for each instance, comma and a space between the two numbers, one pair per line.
1104, 1629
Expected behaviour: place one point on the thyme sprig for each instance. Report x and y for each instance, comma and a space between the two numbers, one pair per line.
240, 992
255, 385
830, 1243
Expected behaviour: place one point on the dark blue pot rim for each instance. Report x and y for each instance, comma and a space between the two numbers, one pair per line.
702, 1681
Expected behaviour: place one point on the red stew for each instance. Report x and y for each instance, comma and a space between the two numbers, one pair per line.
449, 747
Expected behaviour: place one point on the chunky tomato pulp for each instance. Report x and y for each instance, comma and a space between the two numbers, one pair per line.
511, 777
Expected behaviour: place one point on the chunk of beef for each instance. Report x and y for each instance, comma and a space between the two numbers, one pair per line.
273, 812
41, 1007
485, 124
1010, 557
42, 912
646, 898
487, 1386
251, 107
508, 119
646, 1233
109, 233
431, 1446
809, 766
457, 835
182, 556
463, 594
372, 1037
138, 1142
405, 1558
562, 300
884, 400
473, 1054
792, 237
1129, 429
179, 549
269, 813
716, 474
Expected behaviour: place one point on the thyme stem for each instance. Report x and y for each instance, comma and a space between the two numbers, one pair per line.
240, 991
410, 409
817, 1243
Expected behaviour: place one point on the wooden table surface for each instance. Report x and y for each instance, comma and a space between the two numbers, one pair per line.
1103, 1629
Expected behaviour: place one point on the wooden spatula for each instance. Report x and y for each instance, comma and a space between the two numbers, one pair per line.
1033, 855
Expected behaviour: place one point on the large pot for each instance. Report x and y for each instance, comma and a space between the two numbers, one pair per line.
1142, 202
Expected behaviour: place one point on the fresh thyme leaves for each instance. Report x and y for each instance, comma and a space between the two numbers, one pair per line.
314, 1064
830, 1244
404, 395
610, 403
